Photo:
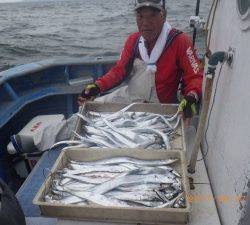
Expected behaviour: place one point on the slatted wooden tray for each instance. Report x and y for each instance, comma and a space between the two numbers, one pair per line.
116, 214
169, 109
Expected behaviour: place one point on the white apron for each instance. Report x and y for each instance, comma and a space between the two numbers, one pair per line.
140, 87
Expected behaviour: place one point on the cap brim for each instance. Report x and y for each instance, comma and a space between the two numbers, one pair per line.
147, 4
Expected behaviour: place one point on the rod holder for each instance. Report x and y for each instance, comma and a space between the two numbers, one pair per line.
212, 64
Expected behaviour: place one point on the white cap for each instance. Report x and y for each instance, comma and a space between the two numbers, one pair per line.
157, 4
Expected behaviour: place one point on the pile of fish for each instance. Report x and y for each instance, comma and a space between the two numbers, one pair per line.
125, 129
119, 181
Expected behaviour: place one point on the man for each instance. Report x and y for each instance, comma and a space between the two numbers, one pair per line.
152, 64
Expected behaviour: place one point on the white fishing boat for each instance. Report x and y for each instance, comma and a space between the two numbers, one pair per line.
220, 187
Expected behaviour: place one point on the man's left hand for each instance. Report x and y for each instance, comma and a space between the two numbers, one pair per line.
187, 108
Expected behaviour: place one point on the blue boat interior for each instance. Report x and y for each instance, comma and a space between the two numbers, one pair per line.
46, 87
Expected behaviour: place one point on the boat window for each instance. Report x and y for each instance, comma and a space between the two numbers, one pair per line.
243, 6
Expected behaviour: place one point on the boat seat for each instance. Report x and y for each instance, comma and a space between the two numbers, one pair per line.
81, 81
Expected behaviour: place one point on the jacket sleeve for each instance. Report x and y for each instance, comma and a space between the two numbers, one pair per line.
190, 65
118, 72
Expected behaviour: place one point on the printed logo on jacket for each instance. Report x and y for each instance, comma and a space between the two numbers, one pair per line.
192, 60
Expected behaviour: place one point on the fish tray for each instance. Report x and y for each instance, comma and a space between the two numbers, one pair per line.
163, 109
94, 212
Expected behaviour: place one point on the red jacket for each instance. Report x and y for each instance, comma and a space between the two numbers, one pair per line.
178, 60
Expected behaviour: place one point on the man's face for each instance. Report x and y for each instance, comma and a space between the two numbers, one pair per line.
150, 22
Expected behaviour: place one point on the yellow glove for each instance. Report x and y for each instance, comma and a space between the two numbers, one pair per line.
188, 106
91, 90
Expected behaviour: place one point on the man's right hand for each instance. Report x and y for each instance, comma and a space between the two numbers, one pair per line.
90, 92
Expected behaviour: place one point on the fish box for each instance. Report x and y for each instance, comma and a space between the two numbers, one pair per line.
163, 109
94, 212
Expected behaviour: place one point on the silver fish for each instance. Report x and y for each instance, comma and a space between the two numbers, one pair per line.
119, 181
130, 179
65, 142
99, 199
118, 160
161, 134
83, 168
86, 179
133, 196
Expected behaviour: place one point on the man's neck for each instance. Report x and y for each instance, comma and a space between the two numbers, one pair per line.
150, 45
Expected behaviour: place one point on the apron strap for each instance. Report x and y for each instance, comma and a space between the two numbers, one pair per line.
173, 34
130, 63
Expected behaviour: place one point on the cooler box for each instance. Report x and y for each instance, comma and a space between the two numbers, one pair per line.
23, 141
